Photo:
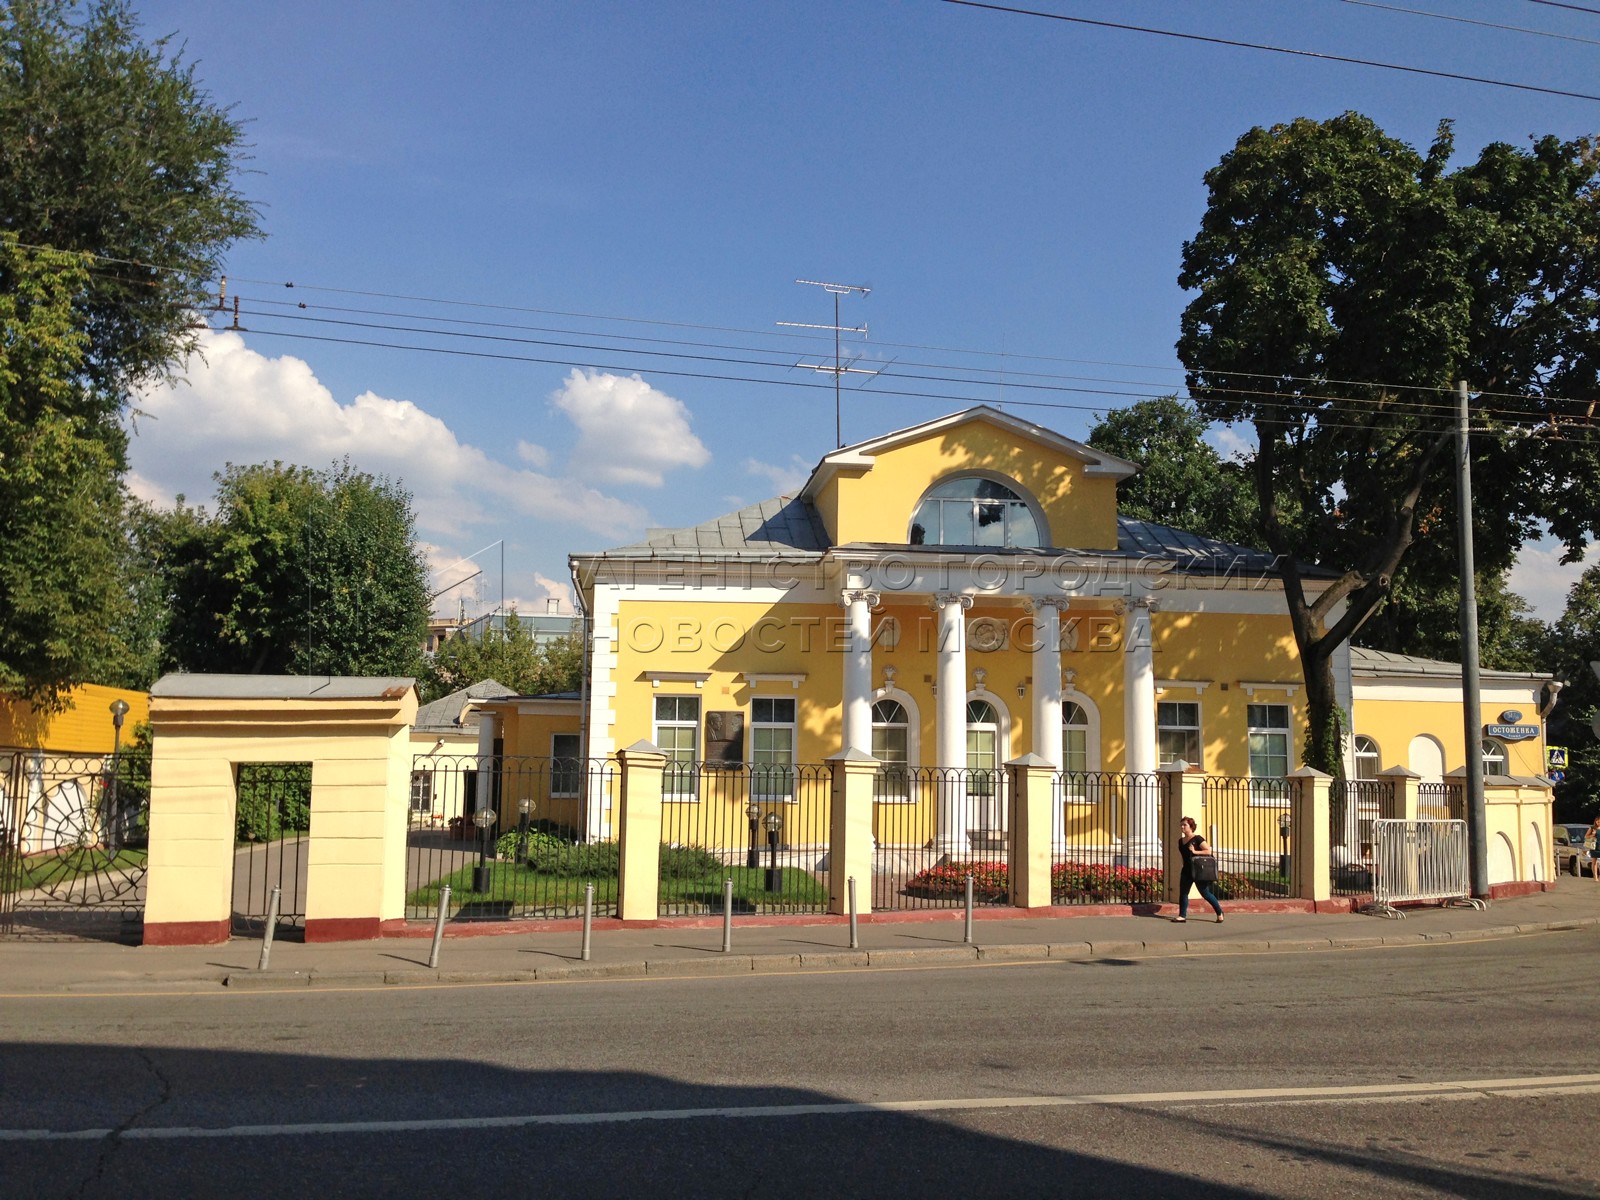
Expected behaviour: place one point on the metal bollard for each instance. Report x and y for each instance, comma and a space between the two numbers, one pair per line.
727, 916
966, 932
272, 925
855, 936
588, 917
438, 927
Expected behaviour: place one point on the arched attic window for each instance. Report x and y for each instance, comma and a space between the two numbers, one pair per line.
975, 510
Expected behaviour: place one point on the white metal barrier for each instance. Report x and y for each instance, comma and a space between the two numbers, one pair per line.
1416, 861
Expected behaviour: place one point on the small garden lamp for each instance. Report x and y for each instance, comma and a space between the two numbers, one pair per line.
483, 818
752, 858
525, 807
1283, 840
774, 824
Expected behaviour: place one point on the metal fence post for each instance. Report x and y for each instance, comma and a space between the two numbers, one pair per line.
966, 932
727, 916
855, 939
272, 924
588, 918
438, 926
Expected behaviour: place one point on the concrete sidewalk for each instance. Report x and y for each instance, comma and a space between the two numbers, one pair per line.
91, 967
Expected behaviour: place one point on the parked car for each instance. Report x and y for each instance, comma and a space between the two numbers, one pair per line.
1568, 843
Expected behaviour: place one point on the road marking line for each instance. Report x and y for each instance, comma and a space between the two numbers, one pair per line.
1538, 1085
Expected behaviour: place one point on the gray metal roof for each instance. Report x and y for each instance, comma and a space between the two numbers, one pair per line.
1192, 552
444, 714
782, 525
1384, 662
180, 686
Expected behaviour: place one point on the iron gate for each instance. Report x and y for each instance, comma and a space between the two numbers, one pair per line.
272, 823
931, 828
74, 837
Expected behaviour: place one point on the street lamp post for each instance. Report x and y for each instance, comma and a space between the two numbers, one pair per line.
113, 830
774, 824
752, 858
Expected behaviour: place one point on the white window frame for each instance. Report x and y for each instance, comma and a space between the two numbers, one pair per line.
1270, 798
1365, 750
1194, 731
674, 778
884, 792
1494, 750
422, 792
764, 776
1077, 791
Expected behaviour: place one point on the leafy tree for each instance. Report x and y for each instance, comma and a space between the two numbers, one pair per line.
117, 201
1574, 644
1183, 482
299, 571
1346, 282
510, 655
110, 146
59, 495
1421, 616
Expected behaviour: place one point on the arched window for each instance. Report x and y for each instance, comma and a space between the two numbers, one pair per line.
1494, 757
1074, 737
1366, 757
974, 511
890, 746
983, 747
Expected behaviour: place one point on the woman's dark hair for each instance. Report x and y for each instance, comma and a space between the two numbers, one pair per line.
1189, 821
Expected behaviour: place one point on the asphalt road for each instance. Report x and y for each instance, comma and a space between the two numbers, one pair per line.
1440, 1070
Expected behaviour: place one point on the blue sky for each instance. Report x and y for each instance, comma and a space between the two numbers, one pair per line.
599, 180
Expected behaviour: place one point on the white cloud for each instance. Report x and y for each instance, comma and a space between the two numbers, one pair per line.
628, 431
786, 480
532, 454
559, 590
1543, 580
236, 405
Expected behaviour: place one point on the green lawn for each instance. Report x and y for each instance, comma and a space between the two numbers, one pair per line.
514, 885
41, 870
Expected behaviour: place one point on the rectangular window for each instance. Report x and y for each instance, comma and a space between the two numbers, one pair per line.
422, 791
772, 741
565, 766
889, 748
677, 732
1178, 732
1269, 750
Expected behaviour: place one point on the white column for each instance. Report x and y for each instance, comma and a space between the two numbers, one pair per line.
488, 728
1047, 679
1143, 846
857, 733
951, 725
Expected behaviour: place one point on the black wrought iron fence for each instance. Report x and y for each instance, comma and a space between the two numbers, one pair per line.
74, 834
766, 828
1248, 823
512, 836
1354, 804
272, 824
1437, 801
932, 827
1105, 838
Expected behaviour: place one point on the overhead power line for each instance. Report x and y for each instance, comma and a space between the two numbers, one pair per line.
1583, 8
1439, 16
1241, 45
1303, 405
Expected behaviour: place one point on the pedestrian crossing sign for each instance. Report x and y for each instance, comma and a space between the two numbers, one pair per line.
1555, 758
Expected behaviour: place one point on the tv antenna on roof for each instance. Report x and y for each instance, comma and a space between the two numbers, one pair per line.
839, 368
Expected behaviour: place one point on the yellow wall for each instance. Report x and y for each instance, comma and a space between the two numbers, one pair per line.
1393, 723
360, 788
84, 726
876, 505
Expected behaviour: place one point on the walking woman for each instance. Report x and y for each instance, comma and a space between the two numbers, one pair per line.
1591, 843
1202, 874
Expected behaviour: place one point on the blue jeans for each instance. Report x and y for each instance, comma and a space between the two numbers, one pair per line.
1185, 882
